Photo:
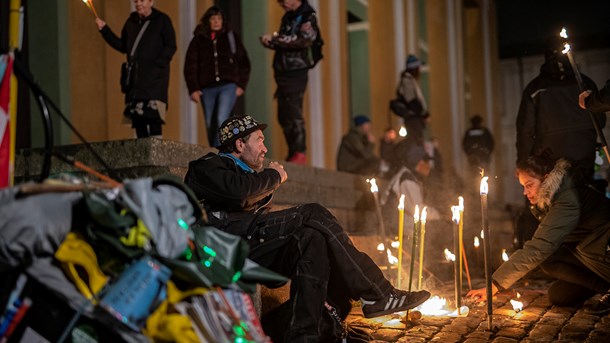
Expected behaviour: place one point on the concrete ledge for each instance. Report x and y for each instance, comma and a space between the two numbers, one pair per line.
345, 195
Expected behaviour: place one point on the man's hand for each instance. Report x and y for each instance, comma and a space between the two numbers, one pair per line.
196, 96
100, 23
480, 294
239, 91
581, 98
266, 39
280, 169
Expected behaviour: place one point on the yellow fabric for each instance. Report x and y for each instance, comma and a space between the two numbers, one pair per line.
139, 236
172, 327
75, 251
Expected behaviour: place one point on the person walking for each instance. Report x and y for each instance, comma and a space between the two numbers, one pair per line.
305, 243
216, 69
291, 63
149, 41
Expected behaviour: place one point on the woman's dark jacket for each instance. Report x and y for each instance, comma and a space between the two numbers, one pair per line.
223, 186
571, 213
152, 56
210, 63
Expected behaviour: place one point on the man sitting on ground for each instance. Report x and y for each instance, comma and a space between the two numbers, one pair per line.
305, 242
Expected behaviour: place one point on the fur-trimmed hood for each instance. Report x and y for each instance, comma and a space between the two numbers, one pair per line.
551, 183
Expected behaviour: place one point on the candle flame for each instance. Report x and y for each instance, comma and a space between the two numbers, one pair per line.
476, 242
381, 247
391, 258
563, 33
482, 235
395, 244
566, 48
449, 256
484, 188
416, 214
373, 182
437, 306
424, 214
403, 131
455, 214
401, 202
461, 203
517, 305
504, 255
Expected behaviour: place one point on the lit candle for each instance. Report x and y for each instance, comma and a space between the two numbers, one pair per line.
462, 250
422, 235
416, 224
401, 223
476, 250
504, 255
375, 191
484, 188
455, 211
89, 4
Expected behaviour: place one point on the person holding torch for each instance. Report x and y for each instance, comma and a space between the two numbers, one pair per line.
571, 241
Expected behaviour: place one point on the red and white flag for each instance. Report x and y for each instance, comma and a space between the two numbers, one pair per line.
6, 69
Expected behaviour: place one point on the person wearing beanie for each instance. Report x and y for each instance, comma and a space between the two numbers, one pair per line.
305, 243
409, 91
357, 150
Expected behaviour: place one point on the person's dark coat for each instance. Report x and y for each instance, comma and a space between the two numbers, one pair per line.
550, 117
357, 155
152, 56
234, 191
571, 213
210, 63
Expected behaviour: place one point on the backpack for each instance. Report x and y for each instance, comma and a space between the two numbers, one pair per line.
316, 48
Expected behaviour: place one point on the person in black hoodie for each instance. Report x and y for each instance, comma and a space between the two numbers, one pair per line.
550, 117
216, 69
146, 98
291, 62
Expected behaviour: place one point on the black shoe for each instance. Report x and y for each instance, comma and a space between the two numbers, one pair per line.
396, 301
602, 306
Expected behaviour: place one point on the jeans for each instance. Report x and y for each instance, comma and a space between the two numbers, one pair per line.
575, 282
307, 244
217, 104
290, 116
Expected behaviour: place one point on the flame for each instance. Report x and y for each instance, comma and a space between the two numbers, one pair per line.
401, 202
455, 214
436, 306
482, 235
394, 244
373, 182
424, 214
517, 305
391, 258
504, 255
484, 188
416, 214
449, 256
461, 203
403, 131
566, 48
476, 242
381, 247
563, 33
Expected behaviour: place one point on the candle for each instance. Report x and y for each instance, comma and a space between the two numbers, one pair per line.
401, 223
486, 248
422, 235
375, 191
462, 253
416, 224
89, 4
476, 250
455, 211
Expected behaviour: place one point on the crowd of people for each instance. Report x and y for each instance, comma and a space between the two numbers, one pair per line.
564, 229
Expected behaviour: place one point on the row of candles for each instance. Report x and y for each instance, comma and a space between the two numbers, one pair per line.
419, 232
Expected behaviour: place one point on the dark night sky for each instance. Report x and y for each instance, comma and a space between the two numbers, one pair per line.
524, 26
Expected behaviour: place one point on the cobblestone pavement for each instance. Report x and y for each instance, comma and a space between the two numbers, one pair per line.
539, 321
